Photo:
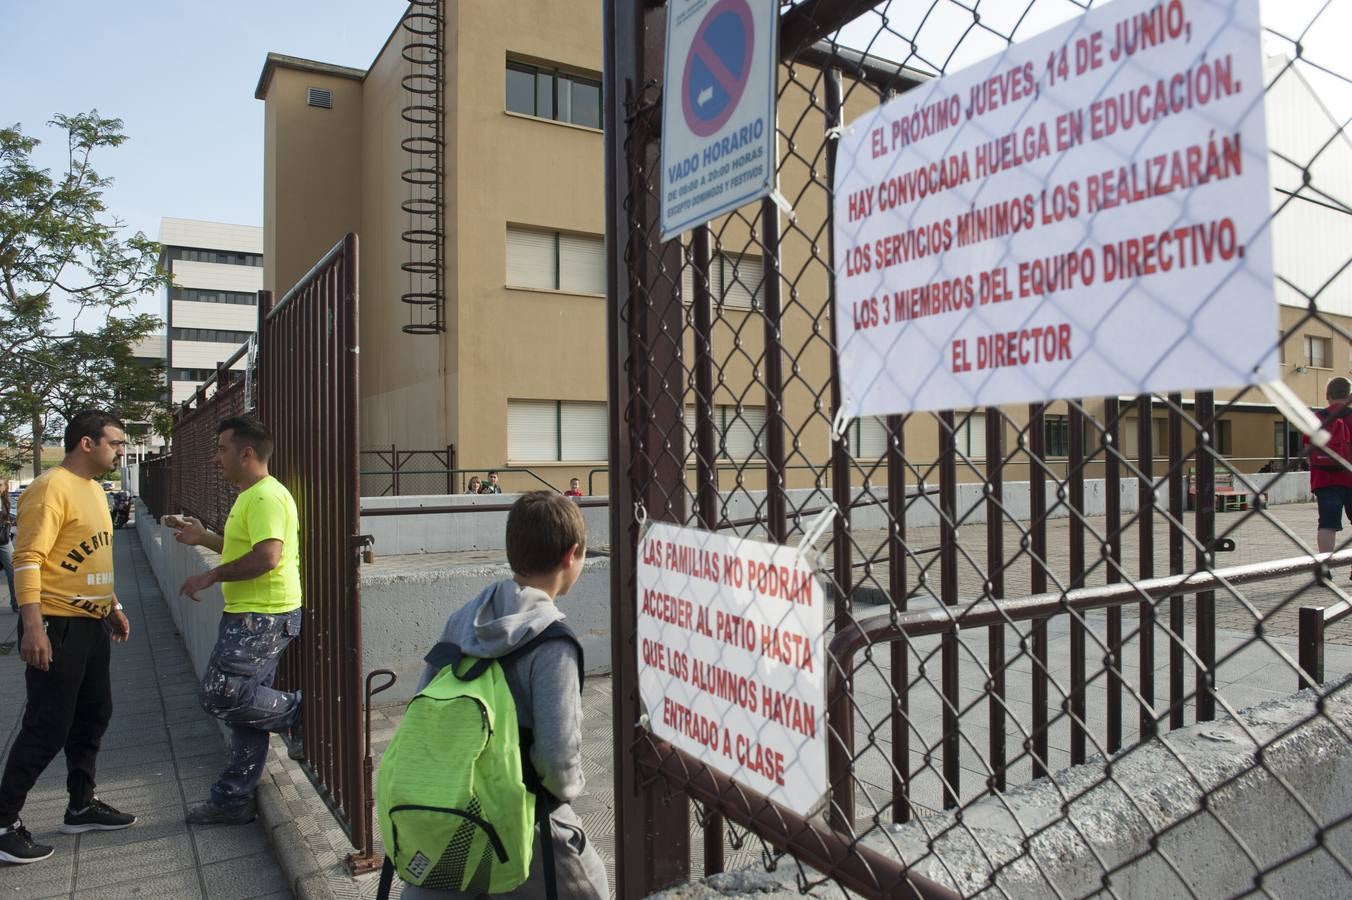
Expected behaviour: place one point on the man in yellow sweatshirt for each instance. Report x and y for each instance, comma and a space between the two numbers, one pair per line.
63, 573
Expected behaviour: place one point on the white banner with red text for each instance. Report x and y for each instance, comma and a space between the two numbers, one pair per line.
1085, 214
731, 658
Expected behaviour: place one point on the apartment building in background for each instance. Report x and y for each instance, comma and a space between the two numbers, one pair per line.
516, 373
211, 308
149, 353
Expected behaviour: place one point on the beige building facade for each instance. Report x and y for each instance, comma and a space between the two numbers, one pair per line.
518, 376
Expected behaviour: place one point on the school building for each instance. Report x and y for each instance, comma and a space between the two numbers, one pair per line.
469, 161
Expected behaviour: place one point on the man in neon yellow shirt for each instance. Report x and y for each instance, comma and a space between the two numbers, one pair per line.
259, 575
63, 574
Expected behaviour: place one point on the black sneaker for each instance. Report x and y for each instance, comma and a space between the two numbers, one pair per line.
97, 816
295, 734
209, 813
17, 846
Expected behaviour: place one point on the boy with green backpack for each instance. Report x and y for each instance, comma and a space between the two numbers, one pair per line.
492, 743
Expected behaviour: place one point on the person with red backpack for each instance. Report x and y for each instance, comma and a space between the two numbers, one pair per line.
1330, 473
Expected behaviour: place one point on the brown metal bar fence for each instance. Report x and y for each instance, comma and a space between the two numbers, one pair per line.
307, 380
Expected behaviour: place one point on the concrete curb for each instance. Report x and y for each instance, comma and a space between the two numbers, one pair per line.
304, 871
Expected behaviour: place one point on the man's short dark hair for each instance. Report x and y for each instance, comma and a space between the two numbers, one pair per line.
249, 432
492, 472
1339, 388
89, 423
541, 527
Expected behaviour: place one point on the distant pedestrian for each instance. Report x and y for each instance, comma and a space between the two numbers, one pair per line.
1330, 477
7, 544
475, 485
259, 575
63, 568
492, 486
574, 489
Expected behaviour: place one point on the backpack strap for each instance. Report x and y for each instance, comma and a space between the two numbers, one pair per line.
386, 878
545, 802
557, 631
448, 653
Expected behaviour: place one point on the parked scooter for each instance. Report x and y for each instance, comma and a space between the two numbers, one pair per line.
121, 509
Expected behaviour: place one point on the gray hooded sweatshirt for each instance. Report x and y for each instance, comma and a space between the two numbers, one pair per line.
544, 683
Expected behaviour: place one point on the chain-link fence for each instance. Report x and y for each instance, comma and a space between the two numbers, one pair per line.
199, 488
155, 476
1051, 627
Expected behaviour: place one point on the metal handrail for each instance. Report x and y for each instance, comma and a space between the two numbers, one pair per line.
587, 502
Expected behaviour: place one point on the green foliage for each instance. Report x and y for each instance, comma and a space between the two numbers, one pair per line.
58, 241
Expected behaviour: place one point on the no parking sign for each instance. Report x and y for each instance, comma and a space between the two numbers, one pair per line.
718, 109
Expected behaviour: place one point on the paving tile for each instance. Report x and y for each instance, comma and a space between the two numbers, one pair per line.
107, 865
181, 885
217, 843
246, 877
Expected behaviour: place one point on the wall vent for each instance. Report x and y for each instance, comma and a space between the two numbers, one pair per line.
320, 97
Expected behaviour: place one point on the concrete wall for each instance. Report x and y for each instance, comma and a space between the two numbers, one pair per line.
1154, 788
403, 615
172, 562
452, 532
1081, 823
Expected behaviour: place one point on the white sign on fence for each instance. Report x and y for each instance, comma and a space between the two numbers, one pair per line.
718, 108
1083, 215
731, 662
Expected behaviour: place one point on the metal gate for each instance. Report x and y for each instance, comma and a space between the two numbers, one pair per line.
307, 395
689, 372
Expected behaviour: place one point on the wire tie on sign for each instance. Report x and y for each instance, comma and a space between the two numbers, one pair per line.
835, 132
839, 424
814, 531
1295, 412
784, 205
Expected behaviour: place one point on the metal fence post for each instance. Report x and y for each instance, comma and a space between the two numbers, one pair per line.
1311, 644
656, 850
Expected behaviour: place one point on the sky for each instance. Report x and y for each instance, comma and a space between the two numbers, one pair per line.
181, 75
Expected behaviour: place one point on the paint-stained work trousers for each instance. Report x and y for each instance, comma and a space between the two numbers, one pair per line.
237, 689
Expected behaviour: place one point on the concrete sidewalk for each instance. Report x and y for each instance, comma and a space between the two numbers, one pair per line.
160, 755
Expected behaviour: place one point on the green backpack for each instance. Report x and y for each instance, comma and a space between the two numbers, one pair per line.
456, 812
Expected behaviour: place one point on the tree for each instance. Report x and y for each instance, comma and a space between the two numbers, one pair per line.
58, 242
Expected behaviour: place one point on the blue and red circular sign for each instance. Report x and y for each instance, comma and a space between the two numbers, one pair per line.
717, 66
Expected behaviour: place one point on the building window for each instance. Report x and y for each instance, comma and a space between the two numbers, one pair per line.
222, 257
1056, 433
1318, 352
190, 374
216, 335
552, 94
556, 431
737, 428
196, 295
870, 439
556, 261
736, 281
969, 435
1279, 439
1223, 438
